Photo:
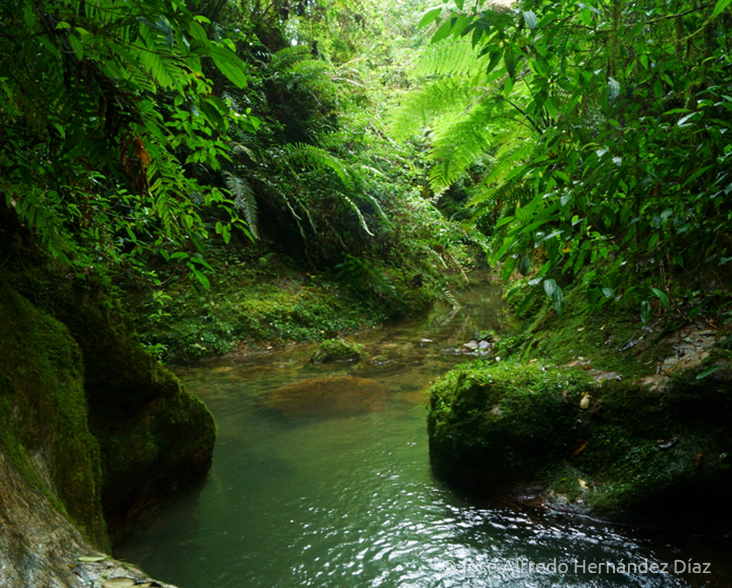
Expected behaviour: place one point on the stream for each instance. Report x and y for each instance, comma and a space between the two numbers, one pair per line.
321, 478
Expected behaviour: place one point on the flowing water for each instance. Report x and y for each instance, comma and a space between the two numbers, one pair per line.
321, 478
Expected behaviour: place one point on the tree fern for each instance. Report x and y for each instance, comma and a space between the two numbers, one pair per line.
437, 98
457, 143
494, 190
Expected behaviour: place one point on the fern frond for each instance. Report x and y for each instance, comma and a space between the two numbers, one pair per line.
450, 58
438, 98
315, 157
285, 58
494, 190
244, 199
238, 149
457, 144
359, 214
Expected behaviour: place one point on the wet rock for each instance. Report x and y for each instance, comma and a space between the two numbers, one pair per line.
601, 376
51, 466
380, 360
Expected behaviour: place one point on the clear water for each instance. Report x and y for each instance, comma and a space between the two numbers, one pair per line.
321, 478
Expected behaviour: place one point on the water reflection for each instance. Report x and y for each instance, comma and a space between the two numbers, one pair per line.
321, 478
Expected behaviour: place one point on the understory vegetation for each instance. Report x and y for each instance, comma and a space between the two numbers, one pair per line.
591, 142
230, 165
178, 148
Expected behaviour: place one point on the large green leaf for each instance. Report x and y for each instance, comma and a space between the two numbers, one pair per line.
719, 7
229, 64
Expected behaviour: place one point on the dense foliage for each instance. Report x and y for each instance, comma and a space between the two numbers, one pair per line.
134, 134
590, 142
105, 113
595, 137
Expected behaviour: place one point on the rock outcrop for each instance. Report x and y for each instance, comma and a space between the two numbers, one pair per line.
91, 428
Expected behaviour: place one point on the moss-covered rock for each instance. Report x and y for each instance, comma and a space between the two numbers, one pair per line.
337, 350
43, 413
612, 447
153, 434
494, 425
150, 435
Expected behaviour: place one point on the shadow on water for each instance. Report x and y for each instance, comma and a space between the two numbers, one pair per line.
321, 478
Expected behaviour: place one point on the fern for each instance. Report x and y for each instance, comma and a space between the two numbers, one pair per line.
315, 157
244, 199
450, 58
437, 99
285, 58
495, 191
457, 144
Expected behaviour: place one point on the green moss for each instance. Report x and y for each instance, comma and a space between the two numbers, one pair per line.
492, 426
166, 444
148, 434
153, 434
251, 304
43, 413
337, 350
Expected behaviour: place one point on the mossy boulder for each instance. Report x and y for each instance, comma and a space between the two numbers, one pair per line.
153, 434
617, 448
334, 350
492, 426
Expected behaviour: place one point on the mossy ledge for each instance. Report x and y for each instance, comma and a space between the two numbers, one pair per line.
91, 427
558, 437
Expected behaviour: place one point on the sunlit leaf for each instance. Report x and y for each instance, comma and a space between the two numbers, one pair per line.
719, 7
708, 372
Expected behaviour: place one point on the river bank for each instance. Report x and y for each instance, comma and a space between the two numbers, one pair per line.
596, 414
267, 302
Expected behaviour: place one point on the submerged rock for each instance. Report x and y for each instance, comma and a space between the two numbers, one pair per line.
325, 398
611, 447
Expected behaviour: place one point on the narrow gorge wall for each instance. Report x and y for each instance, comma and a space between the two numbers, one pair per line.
91, 428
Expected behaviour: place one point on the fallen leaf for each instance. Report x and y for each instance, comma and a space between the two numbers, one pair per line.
581, 444
582, 484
